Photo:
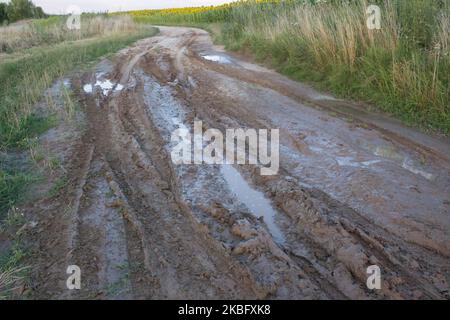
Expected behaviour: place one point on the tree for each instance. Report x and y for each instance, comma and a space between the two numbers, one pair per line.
20, 9
39, 13
3, 14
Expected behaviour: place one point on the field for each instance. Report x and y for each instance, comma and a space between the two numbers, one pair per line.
401, 69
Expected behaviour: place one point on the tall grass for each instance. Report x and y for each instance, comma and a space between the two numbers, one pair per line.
402, 68
54, 30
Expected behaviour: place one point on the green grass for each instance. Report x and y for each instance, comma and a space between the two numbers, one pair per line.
12, 188
13, 273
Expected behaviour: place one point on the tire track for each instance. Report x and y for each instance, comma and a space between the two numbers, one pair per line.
178, 232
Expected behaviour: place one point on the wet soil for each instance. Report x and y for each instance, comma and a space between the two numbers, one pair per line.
353, 189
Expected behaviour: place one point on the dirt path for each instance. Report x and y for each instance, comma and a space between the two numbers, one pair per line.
353, 189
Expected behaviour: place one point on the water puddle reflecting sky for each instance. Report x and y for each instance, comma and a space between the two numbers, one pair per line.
254, 200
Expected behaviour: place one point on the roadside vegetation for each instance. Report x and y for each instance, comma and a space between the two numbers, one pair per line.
33, 55
403, 68
53, 30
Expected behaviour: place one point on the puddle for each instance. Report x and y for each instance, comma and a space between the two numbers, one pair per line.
105, 85
406, 163
346, 161
67, 83
176, 121
254, 200
386, 152
350, 162
323, 97
217, 58
168, 116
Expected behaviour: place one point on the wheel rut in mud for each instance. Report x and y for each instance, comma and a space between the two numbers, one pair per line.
347, 195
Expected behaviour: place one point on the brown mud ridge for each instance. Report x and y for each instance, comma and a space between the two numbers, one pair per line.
353, 190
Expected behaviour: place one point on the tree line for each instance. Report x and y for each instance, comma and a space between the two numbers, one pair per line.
19, 9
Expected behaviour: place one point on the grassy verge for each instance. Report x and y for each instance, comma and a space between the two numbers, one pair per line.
402, 68
25, 73
14, 274
53, 30
24, 79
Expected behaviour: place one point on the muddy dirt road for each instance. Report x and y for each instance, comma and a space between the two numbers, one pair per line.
353, 189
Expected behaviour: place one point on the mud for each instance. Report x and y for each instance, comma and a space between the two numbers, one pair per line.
351, 192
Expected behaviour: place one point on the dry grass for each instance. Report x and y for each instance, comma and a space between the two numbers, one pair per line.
54, 30
442, 35
11, 280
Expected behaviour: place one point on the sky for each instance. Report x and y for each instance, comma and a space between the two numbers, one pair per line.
61, 6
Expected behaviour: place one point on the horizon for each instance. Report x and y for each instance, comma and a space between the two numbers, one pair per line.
61, 6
